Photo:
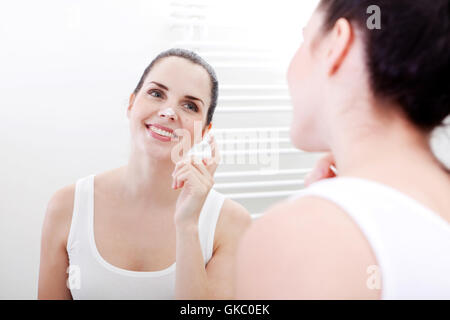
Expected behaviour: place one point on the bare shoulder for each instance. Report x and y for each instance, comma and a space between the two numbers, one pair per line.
234, 220
234, 213
53, 255
62, 198
58, 215
305, 249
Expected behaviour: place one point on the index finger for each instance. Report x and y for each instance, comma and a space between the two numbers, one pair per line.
324, 168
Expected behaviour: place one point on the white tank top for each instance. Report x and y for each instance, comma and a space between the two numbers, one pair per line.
411, 243
91, 277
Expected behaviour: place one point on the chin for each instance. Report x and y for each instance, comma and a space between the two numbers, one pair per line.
304, 137
156, 152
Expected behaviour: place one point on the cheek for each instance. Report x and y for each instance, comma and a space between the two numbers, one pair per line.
304, 81
194, 128
301, 87
133, 117
193, 122
297, 73
136, 119
295, 80
144, 107
291, 72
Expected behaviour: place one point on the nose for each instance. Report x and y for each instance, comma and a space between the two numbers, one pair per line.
168, 113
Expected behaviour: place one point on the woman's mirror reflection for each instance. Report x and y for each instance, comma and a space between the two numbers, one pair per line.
154, 228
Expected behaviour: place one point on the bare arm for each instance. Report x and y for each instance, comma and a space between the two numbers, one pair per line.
53, 258
193, 280
216, 281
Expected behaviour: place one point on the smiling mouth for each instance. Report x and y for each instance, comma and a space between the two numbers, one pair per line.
161, 132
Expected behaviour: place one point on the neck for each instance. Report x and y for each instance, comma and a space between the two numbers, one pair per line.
148, 181
385, 147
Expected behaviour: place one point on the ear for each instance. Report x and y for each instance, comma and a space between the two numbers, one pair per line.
130, 104
341, 39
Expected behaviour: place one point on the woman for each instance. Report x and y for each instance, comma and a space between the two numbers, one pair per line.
380, 230
159, 230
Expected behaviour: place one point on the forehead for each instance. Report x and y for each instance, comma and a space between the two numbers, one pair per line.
315, 21
181, 76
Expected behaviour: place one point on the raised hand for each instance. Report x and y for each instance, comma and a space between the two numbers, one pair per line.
325, 168
196, 177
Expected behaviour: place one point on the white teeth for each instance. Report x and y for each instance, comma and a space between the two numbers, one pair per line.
161, 132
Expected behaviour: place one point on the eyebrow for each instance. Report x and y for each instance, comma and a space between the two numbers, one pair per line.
194, 98
160, 85
167, 89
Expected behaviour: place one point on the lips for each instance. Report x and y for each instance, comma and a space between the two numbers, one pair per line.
160, 127
160, 132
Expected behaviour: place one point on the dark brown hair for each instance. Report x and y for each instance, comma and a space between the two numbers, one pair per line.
409, 57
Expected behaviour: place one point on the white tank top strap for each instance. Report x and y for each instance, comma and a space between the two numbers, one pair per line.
208, 221
80, 214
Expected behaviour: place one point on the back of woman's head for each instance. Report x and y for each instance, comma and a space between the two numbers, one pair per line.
408, 57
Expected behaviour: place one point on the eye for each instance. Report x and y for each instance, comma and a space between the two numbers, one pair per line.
155, 93
191, 106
